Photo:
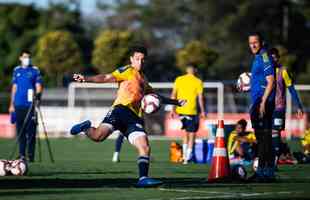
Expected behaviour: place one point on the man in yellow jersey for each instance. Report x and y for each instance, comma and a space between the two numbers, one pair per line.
188, 87
125, 114
241, 144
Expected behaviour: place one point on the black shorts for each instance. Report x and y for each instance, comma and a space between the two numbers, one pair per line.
125, 120
264, 122
278, 120
190, 123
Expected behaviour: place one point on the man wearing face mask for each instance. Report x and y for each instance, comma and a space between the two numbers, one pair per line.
26, 88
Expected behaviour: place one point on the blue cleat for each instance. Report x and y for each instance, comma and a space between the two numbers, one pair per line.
148, 182
76, 129
269, 174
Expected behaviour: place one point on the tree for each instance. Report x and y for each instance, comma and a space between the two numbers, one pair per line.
57, 53
17, 32
111, 49
197, 53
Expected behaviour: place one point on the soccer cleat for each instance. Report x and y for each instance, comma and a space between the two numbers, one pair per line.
269, 174
148, 182
257, 177
76, 129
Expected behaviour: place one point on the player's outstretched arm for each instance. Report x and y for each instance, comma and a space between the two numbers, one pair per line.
101, 78
177, 102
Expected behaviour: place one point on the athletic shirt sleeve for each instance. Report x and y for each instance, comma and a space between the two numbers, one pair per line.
121, 73
14, 80
287, 79
267, 65
200, 87
38, 77
175, 85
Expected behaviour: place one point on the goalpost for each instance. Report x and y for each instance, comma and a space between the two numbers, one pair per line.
93, 99
219, 86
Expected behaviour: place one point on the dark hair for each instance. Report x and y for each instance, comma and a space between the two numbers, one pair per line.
137, 49
25, 51
274, 51
192, 64
259, 35
243, 123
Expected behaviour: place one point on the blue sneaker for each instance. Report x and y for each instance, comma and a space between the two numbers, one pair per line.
258, 176
148, 182
269, 174
76, 129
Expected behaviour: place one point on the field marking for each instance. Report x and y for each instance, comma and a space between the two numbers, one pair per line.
193, 191
223, 194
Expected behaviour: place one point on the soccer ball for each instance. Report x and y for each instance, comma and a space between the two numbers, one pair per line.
255, 164
4, 164
243, 82
238, 172
150, 103
19, 167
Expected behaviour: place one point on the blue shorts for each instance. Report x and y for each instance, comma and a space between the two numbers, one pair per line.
278, 120
264, 122
190, 123
125, 120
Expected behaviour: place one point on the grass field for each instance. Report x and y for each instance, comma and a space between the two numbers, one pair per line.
83, 170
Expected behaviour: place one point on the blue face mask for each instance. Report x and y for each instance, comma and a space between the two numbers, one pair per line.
26, 61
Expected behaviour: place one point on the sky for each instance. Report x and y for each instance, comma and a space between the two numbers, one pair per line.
87, 6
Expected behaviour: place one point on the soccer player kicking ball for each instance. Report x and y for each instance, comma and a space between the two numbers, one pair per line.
126, 114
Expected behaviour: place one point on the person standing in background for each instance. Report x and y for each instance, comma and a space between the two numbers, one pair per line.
188, 87
27, 86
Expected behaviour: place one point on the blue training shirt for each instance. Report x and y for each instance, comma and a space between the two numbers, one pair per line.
262, 67
25, 79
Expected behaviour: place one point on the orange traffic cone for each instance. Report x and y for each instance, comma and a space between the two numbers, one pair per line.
220, 170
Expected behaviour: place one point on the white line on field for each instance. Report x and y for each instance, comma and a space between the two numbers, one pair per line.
193, 191
223, 194
201, 197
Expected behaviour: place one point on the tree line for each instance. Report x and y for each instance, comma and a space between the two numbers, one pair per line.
211, 34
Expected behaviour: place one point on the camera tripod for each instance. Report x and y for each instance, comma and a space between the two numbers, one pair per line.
37, 117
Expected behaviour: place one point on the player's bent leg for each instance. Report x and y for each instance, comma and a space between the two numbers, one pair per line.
140, 141
101, 133
96, 134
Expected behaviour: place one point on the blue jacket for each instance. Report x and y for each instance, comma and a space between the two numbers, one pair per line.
25, 79
262, 67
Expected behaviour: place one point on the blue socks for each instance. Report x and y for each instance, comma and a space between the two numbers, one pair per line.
143, 164
119, 142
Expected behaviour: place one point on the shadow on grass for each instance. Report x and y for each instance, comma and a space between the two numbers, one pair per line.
42, 192
77, 173
62, 183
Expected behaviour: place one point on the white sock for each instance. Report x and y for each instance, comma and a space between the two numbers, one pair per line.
184, 149
189, 153
115, 156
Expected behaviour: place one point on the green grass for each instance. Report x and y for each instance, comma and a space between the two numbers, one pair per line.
83, 170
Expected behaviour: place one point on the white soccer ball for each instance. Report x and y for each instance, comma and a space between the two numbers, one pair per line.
3, 167
150, 103
255, 164
244, 82
238, 172
19, 167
